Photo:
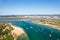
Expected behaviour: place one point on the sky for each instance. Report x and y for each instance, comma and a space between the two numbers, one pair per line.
29, 7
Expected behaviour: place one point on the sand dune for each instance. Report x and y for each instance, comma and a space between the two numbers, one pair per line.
17, 31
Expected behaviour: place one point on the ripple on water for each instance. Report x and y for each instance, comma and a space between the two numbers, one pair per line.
49, 35
58, 39
51, 32
31, 27
42, 29
36, 30
27, 28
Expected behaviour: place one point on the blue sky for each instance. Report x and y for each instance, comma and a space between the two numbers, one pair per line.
29, 7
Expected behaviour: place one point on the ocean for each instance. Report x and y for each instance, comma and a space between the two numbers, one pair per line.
35, 31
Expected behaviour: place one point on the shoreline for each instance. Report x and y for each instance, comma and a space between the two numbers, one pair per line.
51, 26
17, 31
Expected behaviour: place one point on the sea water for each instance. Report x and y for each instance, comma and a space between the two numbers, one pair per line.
36, 31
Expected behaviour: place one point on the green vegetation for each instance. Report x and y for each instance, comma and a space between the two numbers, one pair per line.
5, 31
52, 22
8, 37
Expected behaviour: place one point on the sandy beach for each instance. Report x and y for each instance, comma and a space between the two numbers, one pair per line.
17, 31
52, 26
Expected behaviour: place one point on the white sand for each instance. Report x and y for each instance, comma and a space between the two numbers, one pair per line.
17, 31
52, 26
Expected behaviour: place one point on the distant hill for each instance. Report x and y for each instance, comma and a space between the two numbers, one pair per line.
27, 15
57, 14
8, 15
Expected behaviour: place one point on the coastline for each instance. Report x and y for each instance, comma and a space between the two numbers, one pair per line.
17, 31
52, 26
